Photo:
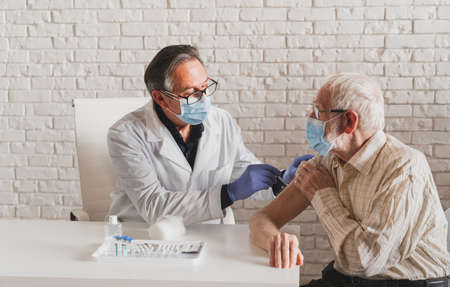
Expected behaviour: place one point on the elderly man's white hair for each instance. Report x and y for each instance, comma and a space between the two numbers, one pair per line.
352, 91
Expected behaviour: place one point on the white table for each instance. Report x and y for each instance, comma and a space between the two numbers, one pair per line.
58, 253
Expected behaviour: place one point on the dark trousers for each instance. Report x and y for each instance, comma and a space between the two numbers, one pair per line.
333, 278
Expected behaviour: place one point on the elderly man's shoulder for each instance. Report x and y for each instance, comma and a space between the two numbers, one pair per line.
398, 153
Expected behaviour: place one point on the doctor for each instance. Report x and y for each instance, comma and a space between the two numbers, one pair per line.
180, 155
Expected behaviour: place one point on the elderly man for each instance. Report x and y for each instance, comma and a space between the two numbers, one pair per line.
179, 155
374, 196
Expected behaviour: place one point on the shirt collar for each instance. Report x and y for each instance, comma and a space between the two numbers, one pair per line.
365, 157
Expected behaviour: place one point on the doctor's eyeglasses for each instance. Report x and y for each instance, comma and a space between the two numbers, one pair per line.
195, 96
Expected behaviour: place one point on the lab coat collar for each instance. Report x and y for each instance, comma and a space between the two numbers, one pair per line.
207, 147
365, 157
156, 131
195, 133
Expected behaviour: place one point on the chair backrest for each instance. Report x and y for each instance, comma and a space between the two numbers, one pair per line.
93, 117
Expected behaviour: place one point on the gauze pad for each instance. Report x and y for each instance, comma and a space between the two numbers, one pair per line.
167, 227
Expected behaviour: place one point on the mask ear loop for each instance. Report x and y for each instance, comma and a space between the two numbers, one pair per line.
334, 130
168, 108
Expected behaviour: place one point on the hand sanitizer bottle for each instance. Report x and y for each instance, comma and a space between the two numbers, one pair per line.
112, 228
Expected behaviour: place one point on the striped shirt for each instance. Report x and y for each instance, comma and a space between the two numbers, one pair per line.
384, 218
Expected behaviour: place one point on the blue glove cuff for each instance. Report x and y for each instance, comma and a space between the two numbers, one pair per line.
230, 194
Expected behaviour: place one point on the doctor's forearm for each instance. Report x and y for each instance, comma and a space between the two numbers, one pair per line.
194, 207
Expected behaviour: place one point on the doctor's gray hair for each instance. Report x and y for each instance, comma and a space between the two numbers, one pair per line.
352, 91
158, 75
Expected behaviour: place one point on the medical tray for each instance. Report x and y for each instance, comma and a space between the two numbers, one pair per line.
161, 251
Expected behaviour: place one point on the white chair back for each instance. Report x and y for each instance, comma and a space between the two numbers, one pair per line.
93, 117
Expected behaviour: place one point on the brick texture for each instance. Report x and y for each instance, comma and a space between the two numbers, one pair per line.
269, 57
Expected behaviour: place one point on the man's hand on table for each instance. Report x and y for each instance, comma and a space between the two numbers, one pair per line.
284, 251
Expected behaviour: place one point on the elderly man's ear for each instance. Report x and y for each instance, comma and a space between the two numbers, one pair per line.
351, 121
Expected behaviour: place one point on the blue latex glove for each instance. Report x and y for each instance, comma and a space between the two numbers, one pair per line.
290, 172
256, 177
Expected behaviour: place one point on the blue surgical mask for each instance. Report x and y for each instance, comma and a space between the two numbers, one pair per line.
196, 113
315, 132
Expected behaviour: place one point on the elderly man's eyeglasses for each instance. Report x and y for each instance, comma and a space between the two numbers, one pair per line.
195, 96
317, 111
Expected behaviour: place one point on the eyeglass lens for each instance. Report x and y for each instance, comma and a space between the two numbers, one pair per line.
196, 96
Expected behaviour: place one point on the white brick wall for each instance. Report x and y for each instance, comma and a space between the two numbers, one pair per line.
269, 56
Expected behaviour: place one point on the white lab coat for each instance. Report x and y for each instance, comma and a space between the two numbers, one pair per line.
154, 178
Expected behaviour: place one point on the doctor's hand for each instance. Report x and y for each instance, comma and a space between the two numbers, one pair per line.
256, 177
311, 178
290, 172
284, 251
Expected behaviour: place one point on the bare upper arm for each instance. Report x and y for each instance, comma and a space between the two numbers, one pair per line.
289, 203
286, 206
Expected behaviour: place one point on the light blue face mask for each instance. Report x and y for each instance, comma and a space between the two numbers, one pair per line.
315, 132
196, 113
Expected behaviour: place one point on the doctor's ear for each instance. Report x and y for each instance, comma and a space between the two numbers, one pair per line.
351, 121
158, 98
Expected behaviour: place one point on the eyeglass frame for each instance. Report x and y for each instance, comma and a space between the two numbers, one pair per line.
317, 111
203, 92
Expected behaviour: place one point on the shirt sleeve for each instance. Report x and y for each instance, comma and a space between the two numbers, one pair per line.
372, 245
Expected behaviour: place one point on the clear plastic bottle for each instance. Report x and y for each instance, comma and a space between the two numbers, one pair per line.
112, 228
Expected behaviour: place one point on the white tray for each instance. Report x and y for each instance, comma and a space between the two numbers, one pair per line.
160, 251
